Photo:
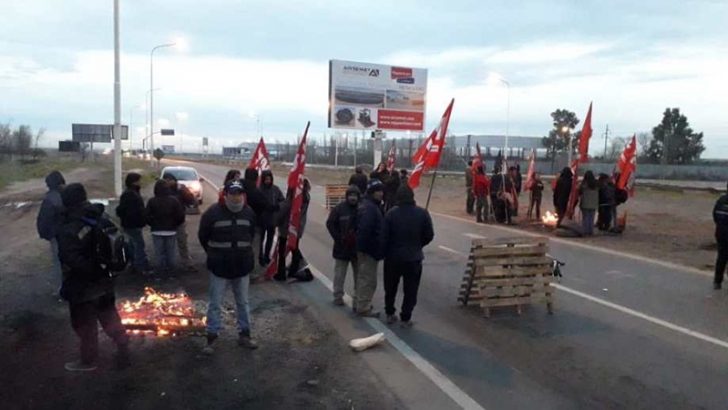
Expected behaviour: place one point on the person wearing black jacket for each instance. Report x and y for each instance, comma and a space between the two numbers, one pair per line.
391, 184
298, 269
341, 225
131, 212
561, 193
50, 219
87, 284
607, 201
359, 179
274, 197
369, 236
720, 217
407, 229
164, 215
188, 200
259, 204
226, 233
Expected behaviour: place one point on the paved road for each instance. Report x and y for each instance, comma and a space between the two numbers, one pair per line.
627, 332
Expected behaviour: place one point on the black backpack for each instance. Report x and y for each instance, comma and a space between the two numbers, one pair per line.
111, 246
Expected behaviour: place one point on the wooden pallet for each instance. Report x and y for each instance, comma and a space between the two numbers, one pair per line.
507, 272
335, 194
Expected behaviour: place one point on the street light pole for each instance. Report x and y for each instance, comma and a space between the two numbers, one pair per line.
117, 104
151, 98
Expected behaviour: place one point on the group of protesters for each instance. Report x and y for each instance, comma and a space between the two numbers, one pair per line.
379, 220
495, 196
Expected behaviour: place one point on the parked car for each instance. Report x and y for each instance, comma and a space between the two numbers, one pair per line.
188, 177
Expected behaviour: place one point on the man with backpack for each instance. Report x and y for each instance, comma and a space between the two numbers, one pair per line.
341, 225
226, 233
88, 256
50, 219
131, 212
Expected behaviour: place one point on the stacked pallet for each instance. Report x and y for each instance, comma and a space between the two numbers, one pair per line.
507, 272
335, 194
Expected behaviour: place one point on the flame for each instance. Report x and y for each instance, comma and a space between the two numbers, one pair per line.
163, 314
550, 219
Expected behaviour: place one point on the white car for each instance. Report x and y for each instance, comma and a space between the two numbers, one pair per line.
188, 177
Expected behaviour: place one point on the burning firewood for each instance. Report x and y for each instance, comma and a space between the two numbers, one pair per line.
161, 314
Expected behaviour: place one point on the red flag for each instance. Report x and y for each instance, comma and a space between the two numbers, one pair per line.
295, 183
260, 159
272, 268
391, 157
627, 165
428, 154
573, 195
531, 175
586, 133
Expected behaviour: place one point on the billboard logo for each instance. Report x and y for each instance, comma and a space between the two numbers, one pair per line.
360, 70
401, 72
374, 72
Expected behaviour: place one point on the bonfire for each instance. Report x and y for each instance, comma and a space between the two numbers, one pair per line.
161, 314
550, 219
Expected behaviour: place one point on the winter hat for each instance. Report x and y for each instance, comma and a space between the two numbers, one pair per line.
234, 187
404, 195
132, 178
73, 195
374, 185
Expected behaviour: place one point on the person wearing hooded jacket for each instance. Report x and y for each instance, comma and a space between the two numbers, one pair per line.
131, 212
369, 251
561, 193
391, 185
274, 197
255, 199
359, 179
50, 219
87, 285
188, 200
407, 229
164, 215
341, 224
226, 233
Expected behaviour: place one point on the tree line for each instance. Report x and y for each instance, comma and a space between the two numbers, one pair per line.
20, 142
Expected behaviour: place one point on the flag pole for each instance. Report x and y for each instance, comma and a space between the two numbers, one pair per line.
429, 194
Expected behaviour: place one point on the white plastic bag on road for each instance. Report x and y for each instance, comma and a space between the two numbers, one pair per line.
365, 343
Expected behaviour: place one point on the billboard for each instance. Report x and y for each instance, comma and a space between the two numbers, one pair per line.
96, 132
168, 149
374, 96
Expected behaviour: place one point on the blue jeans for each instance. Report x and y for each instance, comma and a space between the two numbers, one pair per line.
587, 221
165, 248
240, 291
139, 254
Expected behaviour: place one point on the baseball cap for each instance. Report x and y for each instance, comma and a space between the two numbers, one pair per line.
375, 185
234, 187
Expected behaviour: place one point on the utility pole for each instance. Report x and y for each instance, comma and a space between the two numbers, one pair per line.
117, 105
606, 138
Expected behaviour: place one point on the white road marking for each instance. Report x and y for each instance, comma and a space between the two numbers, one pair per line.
445, 248
640, 258
474, 235
439, 379
632, 312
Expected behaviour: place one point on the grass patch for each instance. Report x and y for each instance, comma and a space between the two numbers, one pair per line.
17, 170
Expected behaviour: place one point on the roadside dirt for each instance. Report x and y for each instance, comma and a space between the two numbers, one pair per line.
670, 225
302, 362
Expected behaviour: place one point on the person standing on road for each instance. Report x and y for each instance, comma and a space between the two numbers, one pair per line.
188, 200
341, 224
232, 175
131, 212
49, 221
255, 199
470, 198
480, 187
226, 234
588, 202
607, 200
390, 189
298, 269
403, 177
536, 196
87, 284
720, 217
407, 229
359, 179
561, 194
274, 196
164, 215
369, 246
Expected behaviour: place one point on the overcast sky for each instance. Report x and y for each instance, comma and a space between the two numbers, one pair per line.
270, 58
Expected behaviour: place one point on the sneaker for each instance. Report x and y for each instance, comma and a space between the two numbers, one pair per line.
368, 313
79, 366
716, 286
406, 324
391, 319
339, 302
246, 342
